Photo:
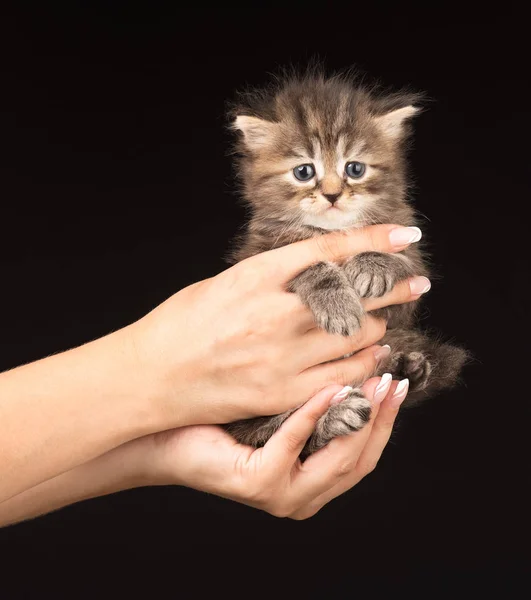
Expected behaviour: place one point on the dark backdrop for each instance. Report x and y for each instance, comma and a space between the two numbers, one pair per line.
116, 191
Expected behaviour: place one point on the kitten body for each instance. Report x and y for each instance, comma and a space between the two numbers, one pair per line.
319, 154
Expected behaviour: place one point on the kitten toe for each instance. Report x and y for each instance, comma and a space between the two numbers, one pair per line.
374, 274
326, 291
341, 313
418, 369
414, 366
350, 415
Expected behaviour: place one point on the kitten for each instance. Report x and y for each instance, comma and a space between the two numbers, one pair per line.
318, 154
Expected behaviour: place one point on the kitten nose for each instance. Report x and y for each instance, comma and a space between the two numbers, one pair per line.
332, 198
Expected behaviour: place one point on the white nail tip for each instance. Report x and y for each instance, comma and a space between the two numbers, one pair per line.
401, 388
344, 392
384, 383
418, 235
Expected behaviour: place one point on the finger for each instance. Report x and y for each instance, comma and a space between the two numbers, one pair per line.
283, 449
404, 291
382, 428
371, 453
318, 346
324, 469
290, 260
346, 371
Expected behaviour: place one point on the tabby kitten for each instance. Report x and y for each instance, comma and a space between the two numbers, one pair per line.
318, 154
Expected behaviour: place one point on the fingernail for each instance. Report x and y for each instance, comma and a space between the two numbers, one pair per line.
400, 393
401, 236
419, 285
382, 388
382, 352
341, 395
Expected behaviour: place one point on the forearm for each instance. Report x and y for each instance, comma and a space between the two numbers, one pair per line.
65, 410
122, 468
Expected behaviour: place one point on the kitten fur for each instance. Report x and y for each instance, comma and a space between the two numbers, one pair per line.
329, 122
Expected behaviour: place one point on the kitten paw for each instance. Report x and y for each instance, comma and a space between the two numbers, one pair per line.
373, 274
350, 415
341, 313
326, 291
414, 366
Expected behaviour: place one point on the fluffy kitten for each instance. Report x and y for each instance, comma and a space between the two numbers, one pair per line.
318, 154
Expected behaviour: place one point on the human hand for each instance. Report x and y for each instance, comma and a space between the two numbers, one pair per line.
272, 478
239, 345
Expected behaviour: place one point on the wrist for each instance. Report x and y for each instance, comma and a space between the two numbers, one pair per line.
164, 374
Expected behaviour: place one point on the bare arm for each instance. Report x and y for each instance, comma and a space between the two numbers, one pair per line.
64, 410
206, 458
119, 469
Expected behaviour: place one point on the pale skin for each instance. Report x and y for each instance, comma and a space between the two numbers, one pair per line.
230, 347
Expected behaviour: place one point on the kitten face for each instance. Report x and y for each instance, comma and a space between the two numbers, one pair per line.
323, 153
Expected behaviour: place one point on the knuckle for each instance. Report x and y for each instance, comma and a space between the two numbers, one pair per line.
292, 441
303, 515
259, 495
386, 423
368, 465
344, 468
281, 511
340, 375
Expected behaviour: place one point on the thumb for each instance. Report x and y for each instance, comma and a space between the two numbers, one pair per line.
283, 448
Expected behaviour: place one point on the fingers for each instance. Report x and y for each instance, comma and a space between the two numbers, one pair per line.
381, 430
364, 462
284, 447
404, 291
288, 261
346, 371
326, 468
318, 346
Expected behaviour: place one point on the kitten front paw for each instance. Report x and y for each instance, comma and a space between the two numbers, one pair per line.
414, 366
341, 313
350, 415
373, 274
325, 290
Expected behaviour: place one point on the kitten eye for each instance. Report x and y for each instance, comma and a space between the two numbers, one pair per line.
355, 169
304, 172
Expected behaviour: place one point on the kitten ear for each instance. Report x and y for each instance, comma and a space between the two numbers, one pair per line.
257, 133
392, 123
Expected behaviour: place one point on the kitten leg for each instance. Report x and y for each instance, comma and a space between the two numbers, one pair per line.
429, 364
341, 419
325, 289
255, 432
373, 274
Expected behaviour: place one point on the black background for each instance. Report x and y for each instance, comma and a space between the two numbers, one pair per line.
116, 191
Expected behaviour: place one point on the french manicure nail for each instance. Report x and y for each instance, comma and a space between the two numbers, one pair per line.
401, 236
400, 393
382, 352
341, 395
419, 285
382, 388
